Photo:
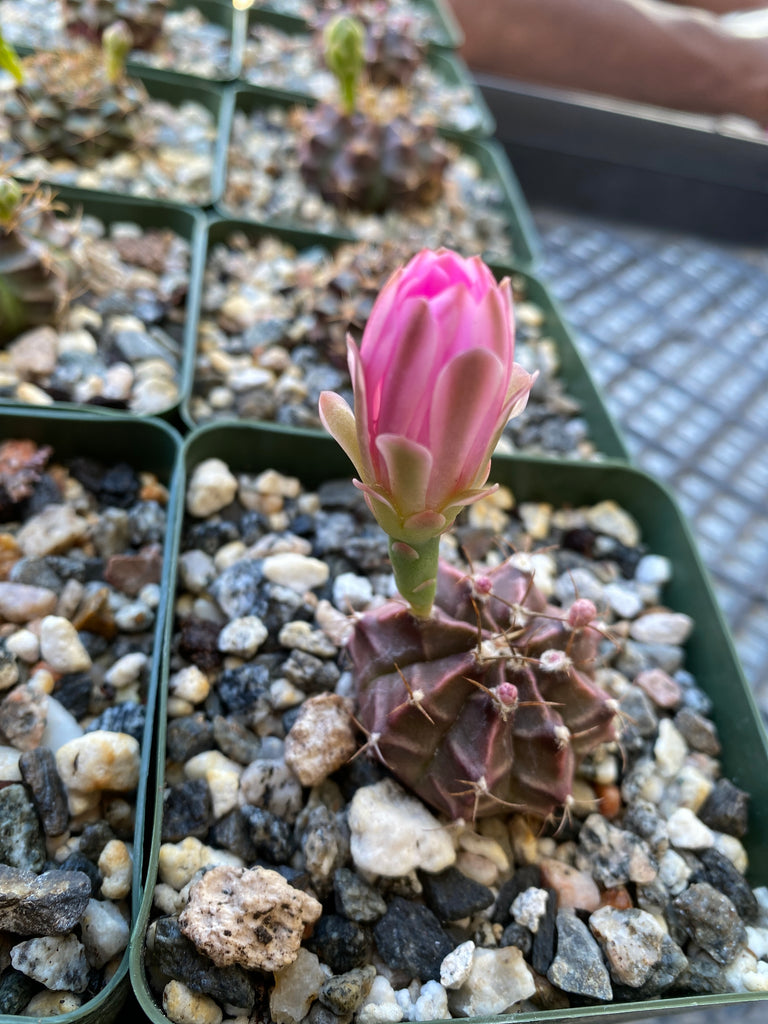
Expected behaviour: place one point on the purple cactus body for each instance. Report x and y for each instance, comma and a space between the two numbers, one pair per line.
486, 705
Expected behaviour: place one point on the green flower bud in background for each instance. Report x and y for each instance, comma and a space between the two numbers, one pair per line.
10, 198
117, 42
344, 46
9, 60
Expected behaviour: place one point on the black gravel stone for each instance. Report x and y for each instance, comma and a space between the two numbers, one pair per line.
233, 833
702, 975
355, 898
720, 872
524, 878
451, 895
77, 861
16, 989
340, 943
271, 836
186, 811
543, 948
119, 486
198, 643
710, 919
73, 691
210, 535
128, 717
40, 774
94, 838
242, 689
235, 740
175, 955
188, 736
726, 809
410, 937
517, 935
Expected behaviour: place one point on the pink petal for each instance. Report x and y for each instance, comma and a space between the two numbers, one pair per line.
466, 405
404, 402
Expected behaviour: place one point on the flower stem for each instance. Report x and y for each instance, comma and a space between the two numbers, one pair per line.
415, 568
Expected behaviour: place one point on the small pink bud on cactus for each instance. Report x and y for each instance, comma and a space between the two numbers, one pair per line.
435, 383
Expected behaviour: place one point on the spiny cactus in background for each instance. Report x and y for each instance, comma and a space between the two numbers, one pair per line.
77, 104
393, 52
356, 161
488, 705
33, 277
88, 19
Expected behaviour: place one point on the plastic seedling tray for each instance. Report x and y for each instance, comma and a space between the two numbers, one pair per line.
443, 30
710, 654
186, 222
148, 446
489, 155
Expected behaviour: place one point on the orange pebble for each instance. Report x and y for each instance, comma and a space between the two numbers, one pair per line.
609, 796
617, 897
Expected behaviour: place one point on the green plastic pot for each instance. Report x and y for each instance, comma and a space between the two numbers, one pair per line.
150, 446
176, 90
489, 155
186, 222
578, 382
710, 654
445, 64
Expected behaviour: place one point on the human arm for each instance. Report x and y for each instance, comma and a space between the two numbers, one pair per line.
641, 50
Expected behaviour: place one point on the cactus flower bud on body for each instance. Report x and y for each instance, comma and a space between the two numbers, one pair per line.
344, 42
435, 383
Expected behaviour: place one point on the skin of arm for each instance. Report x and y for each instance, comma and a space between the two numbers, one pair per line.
643, 50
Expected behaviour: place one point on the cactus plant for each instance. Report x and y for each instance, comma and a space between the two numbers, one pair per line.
88, 19
355, 160
489, 703
393, 51
77, 104
473, 691
33, 276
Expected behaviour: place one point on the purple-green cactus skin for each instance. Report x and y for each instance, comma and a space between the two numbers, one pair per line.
487, 705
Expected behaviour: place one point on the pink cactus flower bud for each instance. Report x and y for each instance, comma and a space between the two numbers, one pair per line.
435, 383
581, 613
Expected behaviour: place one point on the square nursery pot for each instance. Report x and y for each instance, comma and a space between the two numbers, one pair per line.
566, 416
156, 343
445, 90
711, 673
222, 16
438, 25
488, 213
202, 38
180, 162
99, 447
